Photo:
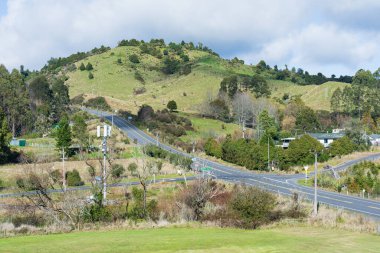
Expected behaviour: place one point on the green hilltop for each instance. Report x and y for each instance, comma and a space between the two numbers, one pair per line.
128, 85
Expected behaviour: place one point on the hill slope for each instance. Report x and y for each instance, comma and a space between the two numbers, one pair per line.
115, 79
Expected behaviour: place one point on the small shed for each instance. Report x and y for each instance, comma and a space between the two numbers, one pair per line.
18, 142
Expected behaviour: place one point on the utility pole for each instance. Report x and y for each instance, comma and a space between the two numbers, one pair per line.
157, 135
315, 185
268, 155
63, 170
106, 134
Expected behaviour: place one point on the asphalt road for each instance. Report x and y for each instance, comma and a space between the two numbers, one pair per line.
282, 184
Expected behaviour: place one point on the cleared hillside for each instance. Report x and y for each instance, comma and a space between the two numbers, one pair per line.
115, 79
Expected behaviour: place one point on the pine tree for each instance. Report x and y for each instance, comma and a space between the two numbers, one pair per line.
82, 67
63, 135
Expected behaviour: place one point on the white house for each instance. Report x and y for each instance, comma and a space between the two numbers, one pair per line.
324, 138
374, 139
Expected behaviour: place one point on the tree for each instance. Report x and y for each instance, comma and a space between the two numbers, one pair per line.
15, 101
267, 124
301, 151
134, 58
5, 137
306, 119
63, 135
342, 146
172, 105
82, 67
89, 66
79, 132
229, 85
171, 65
259, 86
242, 109
143, 172
61, 97
336, 100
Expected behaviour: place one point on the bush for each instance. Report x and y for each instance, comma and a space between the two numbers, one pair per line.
90, 75
89, 67
252, 206
82, 67
139, 90
117, 171
73, 178
342, 146
213, 148
134, 58
119, 61
77, 100
172, 105
99, 103
139, 77
171, 66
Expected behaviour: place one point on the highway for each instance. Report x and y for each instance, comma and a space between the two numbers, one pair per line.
282, 184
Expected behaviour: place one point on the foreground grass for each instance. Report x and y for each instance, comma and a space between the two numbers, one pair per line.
296, 239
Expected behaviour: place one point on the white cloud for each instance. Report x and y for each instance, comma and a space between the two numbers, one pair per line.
35, 30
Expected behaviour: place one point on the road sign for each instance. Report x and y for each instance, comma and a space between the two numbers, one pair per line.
206, 169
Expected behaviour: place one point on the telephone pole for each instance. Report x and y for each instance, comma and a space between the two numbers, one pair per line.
315, 212
63, 171
268, 155
106, 134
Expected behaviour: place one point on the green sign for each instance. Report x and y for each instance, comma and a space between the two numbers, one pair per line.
206, 169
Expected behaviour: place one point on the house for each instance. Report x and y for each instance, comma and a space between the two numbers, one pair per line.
374, 139
286, 142
326, 138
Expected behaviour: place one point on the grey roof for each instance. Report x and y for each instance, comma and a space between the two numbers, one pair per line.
322, 136
374, 136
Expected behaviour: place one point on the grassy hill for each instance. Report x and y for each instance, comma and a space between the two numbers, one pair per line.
115, 79
296, 239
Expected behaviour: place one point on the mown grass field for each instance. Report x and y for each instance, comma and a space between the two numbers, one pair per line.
295, 239
116, 82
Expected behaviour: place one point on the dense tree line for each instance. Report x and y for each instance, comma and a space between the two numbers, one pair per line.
56, 63
32, 106
298, 76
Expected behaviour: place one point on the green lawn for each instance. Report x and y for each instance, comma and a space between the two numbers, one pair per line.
198, 240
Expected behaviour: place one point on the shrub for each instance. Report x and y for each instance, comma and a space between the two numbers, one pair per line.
73, 178
119, 61
139, 77
89, 67
213, 148
252, 206
139, 90
77, 100
171, 66
342, 146
99, 103
117, 170
172, 105
134, 58
82, 67
90, 75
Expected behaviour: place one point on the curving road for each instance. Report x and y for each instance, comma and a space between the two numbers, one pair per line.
282, 184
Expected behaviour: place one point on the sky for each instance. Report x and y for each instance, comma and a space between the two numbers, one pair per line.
333, 37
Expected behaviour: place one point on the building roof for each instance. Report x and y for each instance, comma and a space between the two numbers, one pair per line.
321, 136
374, 136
